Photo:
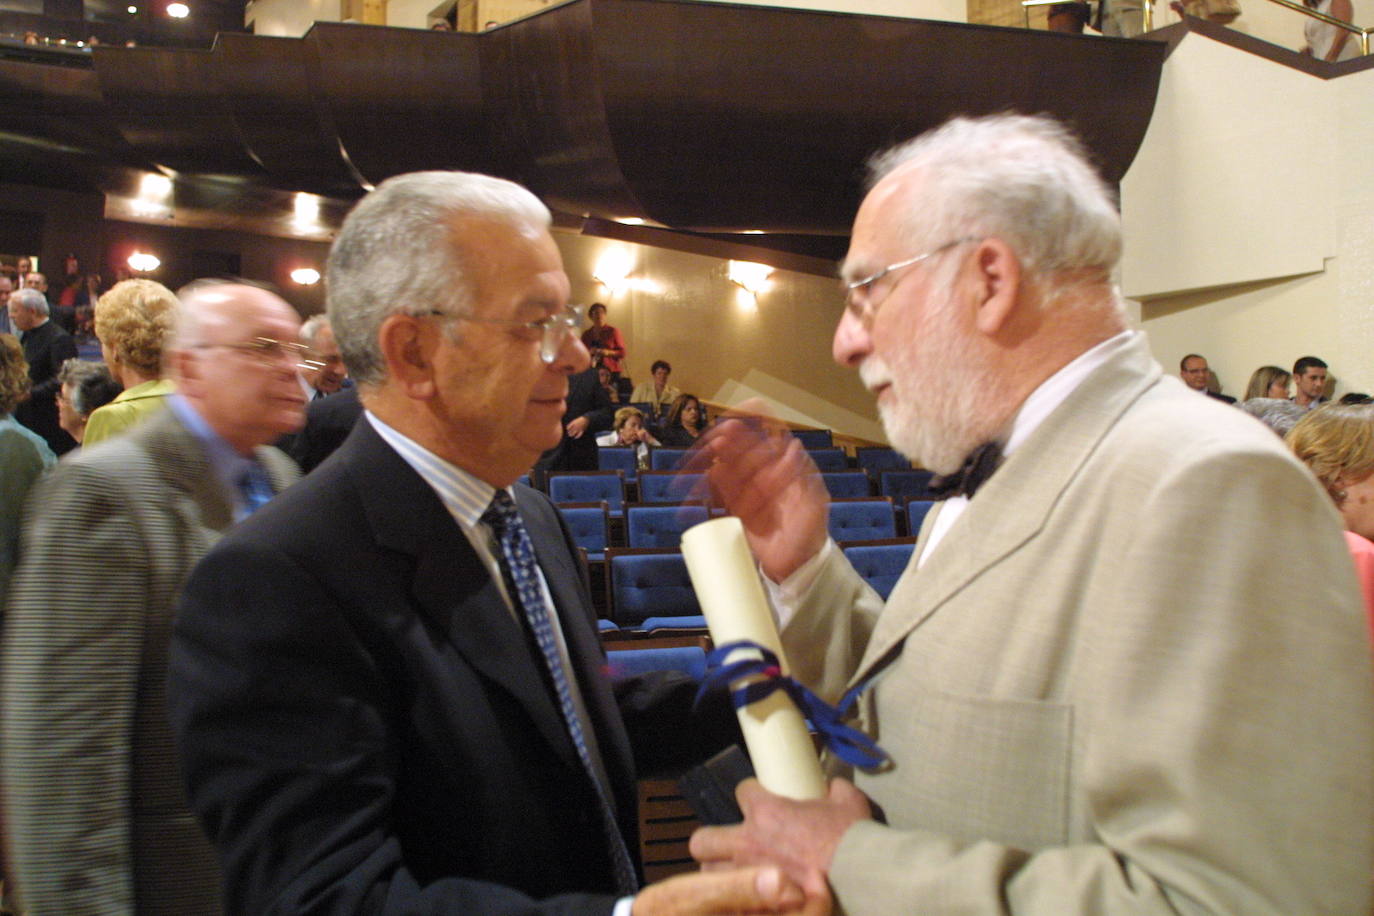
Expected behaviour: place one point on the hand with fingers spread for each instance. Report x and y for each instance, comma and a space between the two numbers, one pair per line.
765, 477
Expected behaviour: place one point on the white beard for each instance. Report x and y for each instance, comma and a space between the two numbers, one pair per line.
940, 405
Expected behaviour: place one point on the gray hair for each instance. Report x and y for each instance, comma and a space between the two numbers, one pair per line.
310, 331
32, 300
1276, 413
1024, 179
89, 381
395, 254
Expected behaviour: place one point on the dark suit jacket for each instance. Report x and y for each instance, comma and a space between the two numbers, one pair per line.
364, 726
328, 421
586, 398
46, 348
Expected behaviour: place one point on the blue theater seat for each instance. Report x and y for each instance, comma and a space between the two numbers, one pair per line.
829, 459
669, 486
880, 563
648, 583
916, 511
813, 438
660, 525
590, 527
618, 458
623, 663
667, 459
847, 484
589, 487
862, 519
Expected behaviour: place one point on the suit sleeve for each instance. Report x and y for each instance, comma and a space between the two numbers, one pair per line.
602, 411
283, 723
62, 349
1224, 661
72, 653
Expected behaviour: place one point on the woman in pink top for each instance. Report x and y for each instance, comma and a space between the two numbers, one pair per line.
1337, 442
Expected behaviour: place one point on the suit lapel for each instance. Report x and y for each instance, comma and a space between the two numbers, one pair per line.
1013, 506
182, 462
451, 587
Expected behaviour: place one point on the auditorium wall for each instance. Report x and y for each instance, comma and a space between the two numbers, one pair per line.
1249, 217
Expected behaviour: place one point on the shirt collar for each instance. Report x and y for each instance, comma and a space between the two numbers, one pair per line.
228, 465
1054, 390
465, 496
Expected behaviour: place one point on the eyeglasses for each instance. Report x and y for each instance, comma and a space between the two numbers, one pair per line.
551, 330
856, 293
269, 352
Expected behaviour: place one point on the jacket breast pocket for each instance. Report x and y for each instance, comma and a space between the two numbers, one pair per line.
974, 767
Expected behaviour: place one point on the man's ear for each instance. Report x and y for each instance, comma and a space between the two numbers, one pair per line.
408, 346
184, 370
997, 279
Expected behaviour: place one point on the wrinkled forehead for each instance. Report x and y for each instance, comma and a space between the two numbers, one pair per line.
231, 314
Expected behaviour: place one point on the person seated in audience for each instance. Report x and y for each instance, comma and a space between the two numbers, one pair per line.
86, 385
1337, 442
134, 322
1197, 376
628, 429
1309, 376
603, 341
1276, 413
685, 422
23, 454
657, 392
603, 376
1269, 382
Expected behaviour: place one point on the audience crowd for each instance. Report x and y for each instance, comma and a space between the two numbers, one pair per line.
379, 700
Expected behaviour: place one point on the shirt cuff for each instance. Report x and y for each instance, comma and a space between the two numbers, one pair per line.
786, 596
623, 906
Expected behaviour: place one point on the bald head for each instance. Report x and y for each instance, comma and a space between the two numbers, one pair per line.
235, 358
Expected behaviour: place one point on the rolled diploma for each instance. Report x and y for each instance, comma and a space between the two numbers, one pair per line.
731, 596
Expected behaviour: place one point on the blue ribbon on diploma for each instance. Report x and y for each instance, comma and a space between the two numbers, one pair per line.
849, 744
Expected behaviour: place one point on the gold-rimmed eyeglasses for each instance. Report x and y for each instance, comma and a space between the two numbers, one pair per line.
856, 293
551, 330
270, 352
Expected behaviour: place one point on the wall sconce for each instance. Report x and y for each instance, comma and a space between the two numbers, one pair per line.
305, 276
143, 262
613, 268
752, 279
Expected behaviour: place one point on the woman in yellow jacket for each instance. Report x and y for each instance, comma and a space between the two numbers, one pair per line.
134, 321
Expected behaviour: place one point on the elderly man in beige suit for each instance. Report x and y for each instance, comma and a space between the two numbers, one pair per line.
1100, 691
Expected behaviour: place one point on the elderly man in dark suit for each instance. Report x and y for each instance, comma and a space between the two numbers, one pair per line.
96, 814
46, 347
387, 687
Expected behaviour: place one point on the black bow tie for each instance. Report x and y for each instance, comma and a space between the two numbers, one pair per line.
978, 467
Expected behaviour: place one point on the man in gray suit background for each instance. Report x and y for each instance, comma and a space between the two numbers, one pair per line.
97, 818
1100, 690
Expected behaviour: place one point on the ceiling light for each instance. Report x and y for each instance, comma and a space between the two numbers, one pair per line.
143, 262
178, 10
305, 276
133, 11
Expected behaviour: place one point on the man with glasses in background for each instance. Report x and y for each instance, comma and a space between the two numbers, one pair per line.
388, 687
94, 805
1098, 690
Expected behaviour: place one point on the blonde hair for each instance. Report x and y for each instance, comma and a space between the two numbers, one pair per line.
136, 320
14, 374
1337, 442
624, 415
1264, 379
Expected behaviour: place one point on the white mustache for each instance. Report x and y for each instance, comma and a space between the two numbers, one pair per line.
874, 374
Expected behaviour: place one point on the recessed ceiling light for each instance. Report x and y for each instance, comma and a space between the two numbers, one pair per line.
178, 10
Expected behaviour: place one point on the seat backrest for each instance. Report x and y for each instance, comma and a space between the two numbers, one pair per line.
588, 486
668, 486
916, 511
617, 458
648, 583
903, 485
660, 525
847, 484
880, 564
813, 438
650, 624
667, 459
877, 458
690, 660
862, 519
829, 459
589, 526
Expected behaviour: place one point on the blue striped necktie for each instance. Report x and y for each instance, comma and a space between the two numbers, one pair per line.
522, 580
254, 487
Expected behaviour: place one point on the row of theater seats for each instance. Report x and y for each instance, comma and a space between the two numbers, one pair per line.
648, 577
869, 459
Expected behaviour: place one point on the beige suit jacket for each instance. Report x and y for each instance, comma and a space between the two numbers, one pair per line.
1132, 678
97, 818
